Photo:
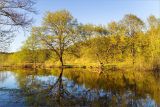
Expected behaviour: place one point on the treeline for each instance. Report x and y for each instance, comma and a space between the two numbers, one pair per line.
61, 40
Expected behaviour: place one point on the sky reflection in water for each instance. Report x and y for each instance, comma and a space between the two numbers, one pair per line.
78, 88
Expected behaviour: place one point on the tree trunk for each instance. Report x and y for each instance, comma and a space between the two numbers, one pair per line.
133, 53
61, 60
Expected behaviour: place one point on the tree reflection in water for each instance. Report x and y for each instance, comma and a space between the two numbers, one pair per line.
52, 93
73, 87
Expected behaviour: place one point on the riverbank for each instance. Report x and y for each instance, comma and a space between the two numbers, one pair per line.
94, 67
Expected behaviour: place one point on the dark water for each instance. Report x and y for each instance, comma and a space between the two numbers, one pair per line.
78, 87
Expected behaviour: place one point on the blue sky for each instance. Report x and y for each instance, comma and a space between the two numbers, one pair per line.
92, 11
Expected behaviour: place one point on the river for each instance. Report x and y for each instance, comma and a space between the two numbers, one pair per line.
78, 87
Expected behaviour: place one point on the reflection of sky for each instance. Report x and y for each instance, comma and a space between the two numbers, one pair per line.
148, 102
95, 94
7, 98
9, 82
79, 91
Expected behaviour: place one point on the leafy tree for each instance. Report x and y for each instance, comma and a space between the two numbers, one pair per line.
133, 25
33, 48
153, 22
117, 34
59, 32
153, 40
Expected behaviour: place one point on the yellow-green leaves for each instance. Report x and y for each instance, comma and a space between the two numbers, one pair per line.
58, 19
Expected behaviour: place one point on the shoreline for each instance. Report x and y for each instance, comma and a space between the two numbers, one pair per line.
94, 68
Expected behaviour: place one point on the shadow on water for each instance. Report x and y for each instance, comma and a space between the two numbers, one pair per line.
80, 87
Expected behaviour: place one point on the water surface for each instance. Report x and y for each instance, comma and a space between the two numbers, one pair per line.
78, 87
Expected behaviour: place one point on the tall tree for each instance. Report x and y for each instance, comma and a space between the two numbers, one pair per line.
59, 32
117, 34
153, 22
133, 25
31, 46
154, 40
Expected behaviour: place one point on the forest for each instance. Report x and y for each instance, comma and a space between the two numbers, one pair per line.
63, 41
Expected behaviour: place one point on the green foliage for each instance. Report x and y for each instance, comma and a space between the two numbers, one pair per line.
59, 32
61, 39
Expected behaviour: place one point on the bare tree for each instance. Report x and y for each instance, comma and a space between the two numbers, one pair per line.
5, 39
14, 14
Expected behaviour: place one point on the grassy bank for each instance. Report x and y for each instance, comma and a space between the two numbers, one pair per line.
94, 66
